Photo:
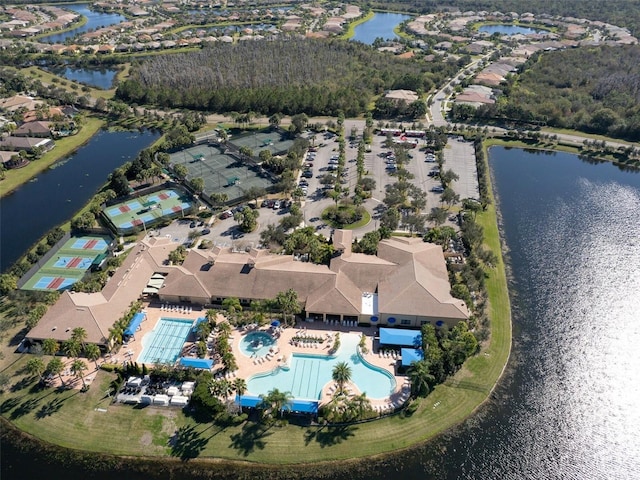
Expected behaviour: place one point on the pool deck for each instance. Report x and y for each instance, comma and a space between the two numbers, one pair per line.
246, 367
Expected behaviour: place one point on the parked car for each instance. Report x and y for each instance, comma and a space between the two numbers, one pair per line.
206, 231
192, 225
226, 214
437, 189
307, 174
276, 205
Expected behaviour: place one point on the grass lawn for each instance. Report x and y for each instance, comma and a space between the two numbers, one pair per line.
49, 78
16, 177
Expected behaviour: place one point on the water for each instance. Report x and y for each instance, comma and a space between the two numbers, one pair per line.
308, 374
257, 344
380, 26
95, 77
164, 343
567, 408
95, 20
58, 193
509, 30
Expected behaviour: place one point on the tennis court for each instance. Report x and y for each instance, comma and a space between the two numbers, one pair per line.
221, 172
70, 263
147, 210
164, 343
277, 143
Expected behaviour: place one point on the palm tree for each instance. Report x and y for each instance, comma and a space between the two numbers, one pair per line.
421, 378
341, 374
71, 348
226, 388
288, 302
240, 386
79, 334
50, 346
55, 367
77, 368
92, 352
35, 366
276, 400
359, 405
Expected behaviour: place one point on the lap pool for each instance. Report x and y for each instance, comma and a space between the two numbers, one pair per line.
308, 374
164, 343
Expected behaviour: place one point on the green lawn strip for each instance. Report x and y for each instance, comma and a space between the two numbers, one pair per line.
366, 218
586, 136
65, 146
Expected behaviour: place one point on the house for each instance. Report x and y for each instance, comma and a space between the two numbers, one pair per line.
38, 129
402, 95
26, 143
12, 160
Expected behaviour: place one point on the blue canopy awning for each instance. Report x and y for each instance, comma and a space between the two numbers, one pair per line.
134, 323
302, 406
248, 401
398, 337
410, 355
275, 323
202, 363
198, 322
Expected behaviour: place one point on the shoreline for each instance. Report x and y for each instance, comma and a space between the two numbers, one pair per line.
23, 175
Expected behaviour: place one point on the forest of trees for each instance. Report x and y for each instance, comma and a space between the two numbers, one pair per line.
589, 89
317, 77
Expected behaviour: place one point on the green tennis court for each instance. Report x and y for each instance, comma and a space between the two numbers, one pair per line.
70, 263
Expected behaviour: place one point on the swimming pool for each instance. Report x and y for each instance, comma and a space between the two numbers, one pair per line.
257, 344
309, 374
164, 343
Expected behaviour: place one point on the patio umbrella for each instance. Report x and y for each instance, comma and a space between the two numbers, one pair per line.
275, 323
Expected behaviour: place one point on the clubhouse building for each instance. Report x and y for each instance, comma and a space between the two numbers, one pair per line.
406, 284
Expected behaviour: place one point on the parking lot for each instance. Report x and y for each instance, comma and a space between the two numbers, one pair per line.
459, 157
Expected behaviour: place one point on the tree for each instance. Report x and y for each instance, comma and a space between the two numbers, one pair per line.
448, 176
368, 184
55, 367
92, 352
341, 374
438, 215
180, 170
79, 335
35, 367
254, 193
449, 196
274, 120
288, 303
71, 348
360, 405
421, 378
390, 218
8, 283
275, 400
50, 346
240, 386
299, 122
77, 368
231, 305
369, 243
247, 219
197, 184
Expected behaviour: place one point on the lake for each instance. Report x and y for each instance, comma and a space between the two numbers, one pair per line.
380, 26
509, 30
568, 404
56, 194
95, 20
95, 77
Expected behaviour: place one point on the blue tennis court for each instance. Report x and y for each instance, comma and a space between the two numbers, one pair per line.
91, 244
83, 263
164, 343
54, 283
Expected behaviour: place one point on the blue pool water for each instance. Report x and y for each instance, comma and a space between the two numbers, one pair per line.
308, 374
164, 343
256, 344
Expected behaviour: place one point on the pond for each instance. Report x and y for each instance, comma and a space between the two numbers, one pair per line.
380, 26
95, 20
56, 194
94, 77
509, 30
